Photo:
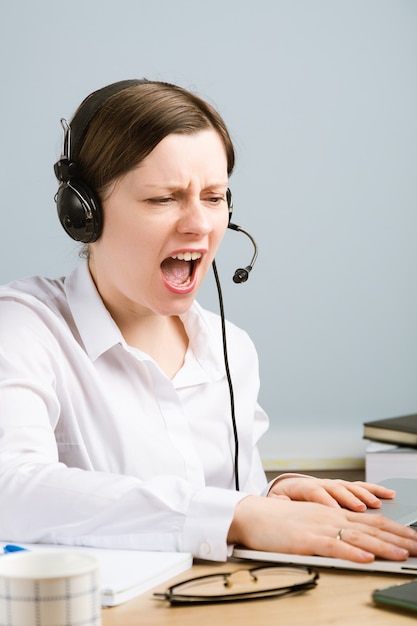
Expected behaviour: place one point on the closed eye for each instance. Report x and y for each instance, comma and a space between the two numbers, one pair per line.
215, 200
164, 200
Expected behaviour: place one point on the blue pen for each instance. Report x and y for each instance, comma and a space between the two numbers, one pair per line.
12, 548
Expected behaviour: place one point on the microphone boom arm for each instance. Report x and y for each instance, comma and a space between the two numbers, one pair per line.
241, 275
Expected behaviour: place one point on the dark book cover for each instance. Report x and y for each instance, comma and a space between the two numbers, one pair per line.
400, 430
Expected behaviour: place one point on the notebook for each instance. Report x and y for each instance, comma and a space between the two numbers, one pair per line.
126, 574
402, 509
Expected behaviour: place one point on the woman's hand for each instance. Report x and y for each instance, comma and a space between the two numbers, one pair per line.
281, 525
356, 496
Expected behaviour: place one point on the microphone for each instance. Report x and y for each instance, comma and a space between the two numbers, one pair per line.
241, 275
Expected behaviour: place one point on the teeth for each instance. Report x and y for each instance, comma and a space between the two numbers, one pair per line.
187, 256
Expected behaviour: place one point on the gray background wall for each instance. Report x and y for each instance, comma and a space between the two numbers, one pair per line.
321, 99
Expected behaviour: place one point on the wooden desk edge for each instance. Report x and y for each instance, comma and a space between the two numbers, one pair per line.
342, 597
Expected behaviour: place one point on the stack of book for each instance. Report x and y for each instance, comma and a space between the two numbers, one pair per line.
392, 448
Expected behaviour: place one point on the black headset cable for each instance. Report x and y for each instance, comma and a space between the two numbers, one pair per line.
229, 378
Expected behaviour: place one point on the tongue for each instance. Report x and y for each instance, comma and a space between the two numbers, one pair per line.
175, 271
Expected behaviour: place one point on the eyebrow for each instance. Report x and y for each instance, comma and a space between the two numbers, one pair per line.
175, 186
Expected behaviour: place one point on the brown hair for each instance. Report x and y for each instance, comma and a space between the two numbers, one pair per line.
130, 124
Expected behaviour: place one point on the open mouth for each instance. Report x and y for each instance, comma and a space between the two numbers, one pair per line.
178, 270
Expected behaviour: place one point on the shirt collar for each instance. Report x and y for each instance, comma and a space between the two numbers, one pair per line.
95, 325
204, 332
99, 332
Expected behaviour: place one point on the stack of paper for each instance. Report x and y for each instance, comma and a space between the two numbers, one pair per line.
126, 574
384, 461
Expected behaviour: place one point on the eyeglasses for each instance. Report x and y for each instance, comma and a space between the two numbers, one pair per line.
270, 581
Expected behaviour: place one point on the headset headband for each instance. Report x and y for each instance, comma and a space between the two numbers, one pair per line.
91, 105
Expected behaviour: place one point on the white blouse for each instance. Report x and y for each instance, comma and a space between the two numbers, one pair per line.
99, 447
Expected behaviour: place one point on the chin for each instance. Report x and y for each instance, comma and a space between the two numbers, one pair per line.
176, 306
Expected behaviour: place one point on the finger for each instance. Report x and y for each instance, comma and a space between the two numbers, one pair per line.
362, 542
334, 493
381, 544
353, 498
409, 544
309, 492
278, 496
378, 490
397, 532
330, 546
383, 529
358, 496
321, 495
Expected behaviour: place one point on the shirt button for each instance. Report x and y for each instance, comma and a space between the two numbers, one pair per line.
205, 548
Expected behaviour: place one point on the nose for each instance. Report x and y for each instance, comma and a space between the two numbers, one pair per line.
194, 218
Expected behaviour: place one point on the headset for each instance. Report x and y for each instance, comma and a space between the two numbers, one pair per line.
78, 206
80, 213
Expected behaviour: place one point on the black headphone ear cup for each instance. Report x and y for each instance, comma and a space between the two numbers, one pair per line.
229, 203
79, 211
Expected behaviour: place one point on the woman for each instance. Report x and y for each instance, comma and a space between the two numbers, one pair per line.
115, 426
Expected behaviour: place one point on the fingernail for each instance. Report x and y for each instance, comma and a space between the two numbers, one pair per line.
402, 552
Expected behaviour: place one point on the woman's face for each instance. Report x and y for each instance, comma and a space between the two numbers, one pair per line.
163, 223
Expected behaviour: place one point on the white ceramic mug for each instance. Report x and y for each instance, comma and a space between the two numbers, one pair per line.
49, 588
